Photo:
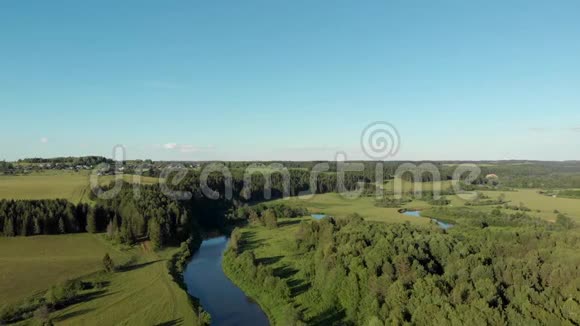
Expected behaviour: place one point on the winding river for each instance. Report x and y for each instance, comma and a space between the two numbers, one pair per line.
224, 301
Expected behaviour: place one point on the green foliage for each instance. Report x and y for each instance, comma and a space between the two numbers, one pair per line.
564, 221
155, 234
443, 201
176, 265
42, 314
259, 281
31, 217
279, 210
63, 294
391, 202
269, 219
482, 219
108, 264
377, 274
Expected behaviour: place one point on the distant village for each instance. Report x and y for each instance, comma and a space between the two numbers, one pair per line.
88, 163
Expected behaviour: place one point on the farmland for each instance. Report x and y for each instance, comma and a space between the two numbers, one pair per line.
30, 265
73, 186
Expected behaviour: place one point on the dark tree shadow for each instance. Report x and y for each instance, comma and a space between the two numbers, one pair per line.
328, 317
285, 271
72, 314
173, 322
91, 296
123, 269
249, 241
269, 260
297, 287
288, 223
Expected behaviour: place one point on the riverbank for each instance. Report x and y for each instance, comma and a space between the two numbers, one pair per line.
269, 268
249, 290
205, 279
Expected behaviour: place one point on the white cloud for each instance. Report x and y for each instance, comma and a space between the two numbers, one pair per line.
170, 146
186, 148
44, 140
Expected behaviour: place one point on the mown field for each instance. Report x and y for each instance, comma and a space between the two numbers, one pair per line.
73, 186
32, 264
142, 293
545, 204
145, 294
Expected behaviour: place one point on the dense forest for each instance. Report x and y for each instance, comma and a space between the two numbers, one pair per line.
365, 273
33, 217
124, 218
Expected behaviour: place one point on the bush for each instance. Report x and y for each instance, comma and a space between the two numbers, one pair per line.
42, 314
108, 264
64, 293
564, 221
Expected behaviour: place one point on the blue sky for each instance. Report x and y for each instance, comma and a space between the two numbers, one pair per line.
298, 80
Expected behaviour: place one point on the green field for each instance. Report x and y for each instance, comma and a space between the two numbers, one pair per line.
68, 185
408, 186
536, 201
144, 295
30, 265
73, 186
335, 205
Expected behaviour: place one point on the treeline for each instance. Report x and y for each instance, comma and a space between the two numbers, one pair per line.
252, 213
83, 160
376, 274
34, 217
213, 212
500, 216
6, 166
125, 218
176, 265
128, 217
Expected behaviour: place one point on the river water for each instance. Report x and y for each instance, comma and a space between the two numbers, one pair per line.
225, 302
442, 225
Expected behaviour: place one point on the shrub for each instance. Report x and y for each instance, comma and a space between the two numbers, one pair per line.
108, 264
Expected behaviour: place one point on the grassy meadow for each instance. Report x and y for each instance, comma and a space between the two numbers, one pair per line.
335, 205
144, 294
70, 185
143, 286
545, 204
341, 206
29, 265
73, 186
